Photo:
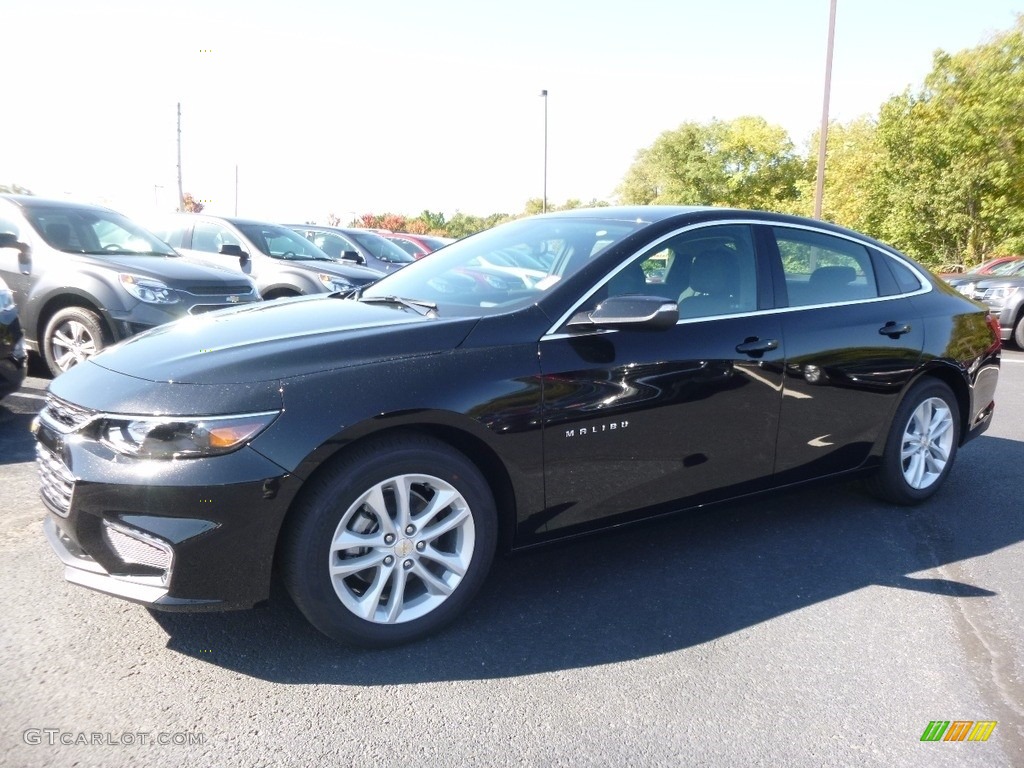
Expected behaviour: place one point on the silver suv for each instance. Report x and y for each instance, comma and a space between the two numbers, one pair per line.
281, 262
84, 277
1004, 296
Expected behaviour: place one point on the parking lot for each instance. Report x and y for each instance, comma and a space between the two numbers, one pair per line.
813, 628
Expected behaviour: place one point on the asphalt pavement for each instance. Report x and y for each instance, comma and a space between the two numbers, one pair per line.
814, 628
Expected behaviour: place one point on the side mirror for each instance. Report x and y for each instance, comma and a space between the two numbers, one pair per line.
352, 256
10, 240
641, 312
230, 249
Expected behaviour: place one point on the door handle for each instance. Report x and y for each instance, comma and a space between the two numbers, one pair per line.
757, 346
894, 330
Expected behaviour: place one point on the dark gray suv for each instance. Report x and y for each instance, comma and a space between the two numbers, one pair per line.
84, 277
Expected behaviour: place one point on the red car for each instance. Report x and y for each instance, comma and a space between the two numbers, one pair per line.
418, 246
989, 267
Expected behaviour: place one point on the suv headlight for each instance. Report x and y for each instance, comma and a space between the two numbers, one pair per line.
334, 282
169, 437
147, 289
1001, 295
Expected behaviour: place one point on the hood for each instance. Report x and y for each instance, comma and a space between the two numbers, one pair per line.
175, 271
276, 340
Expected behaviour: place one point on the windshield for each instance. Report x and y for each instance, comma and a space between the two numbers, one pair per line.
381, 247
94, 231
504, 268
280, 242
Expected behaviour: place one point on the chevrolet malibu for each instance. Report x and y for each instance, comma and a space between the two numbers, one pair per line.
373, 450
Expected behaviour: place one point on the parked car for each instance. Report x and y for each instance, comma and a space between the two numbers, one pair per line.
12, 343
985, 268
375, 450
418, 246
1004, 265
360, 246
281, 262
1004, 296
85, 277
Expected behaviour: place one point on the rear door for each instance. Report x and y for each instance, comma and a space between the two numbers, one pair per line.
853, 341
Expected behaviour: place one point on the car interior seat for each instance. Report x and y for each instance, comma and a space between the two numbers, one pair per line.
714, 280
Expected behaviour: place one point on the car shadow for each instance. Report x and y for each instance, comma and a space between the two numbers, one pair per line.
651, 589
14, 448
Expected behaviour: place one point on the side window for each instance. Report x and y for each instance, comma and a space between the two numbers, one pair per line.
210, 237
708, 271
905, 279
173, 236
332, 244
824, 269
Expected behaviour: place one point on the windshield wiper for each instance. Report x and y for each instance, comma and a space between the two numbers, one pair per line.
425, 308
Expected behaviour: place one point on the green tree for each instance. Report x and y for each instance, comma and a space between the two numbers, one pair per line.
14, 189
951, 190
190, 204
745, 162
853, 165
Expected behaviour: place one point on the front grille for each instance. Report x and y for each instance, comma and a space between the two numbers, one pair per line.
199, 309
56, 483
63, 415
219, 289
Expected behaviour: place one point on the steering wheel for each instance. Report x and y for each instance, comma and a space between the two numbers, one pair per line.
286, 254
112, 247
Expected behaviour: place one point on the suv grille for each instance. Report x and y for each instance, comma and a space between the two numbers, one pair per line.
56, 483
219, 289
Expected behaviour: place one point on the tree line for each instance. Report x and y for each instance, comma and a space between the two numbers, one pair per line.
938, 172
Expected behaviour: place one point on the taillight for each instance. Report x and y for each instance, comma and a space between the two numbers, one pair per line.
993, 323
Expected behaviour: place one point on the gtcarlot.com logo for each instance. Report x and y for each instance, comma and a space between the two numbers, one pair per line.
958, 730
55, 736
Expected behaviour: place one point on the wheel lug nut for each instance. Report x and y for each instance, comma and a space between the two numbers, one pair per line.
389, 538
389, 560
407, 564
420, 546
410, 529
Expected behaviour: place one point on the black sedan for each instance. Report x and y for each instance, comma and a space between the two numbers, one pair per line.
373, 450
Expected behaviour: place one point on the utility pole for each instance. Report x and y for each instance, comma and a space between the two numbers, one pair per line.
544, 203
181, 192
819, 189
236, 189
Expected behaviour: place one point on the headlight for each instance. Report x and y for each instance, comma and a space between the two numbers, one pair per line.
1001, 295
6, 300
147, 289
966, 288
334, 283
168, 437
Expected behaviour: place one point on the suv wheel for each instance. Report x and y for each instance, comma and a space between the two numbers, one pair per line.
73, 335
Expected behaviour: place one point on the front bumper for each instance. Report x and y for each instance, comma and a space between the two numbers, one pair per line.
192, 534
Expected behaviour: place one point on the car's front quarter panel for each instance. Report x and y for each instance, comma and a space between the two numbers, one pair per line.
484, 400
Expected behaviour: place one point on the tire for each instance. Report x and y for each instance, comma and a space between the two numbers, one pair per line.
74, 334
1018, 332
367, 570
921, 445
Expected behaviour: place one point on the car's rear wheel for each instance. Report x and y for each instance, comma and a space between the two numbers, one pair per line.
391, 543
921, 446
73, 335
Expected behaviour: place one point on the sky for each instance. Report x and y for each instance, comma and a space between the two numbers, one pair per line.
335, 106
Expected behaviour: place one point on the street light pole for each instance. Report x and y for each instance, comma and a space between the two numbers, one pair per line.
544, 204
819, 188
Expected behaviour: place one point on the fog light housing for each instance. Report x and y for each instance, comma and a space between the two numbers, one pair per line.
137, 548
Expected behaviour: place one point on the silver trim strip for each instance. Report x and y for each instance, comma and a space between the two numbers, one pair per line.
552, 332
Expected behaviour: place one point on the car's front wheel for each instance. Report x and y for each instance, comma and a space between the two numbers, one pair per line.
391, 543
73, 335
921, 446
